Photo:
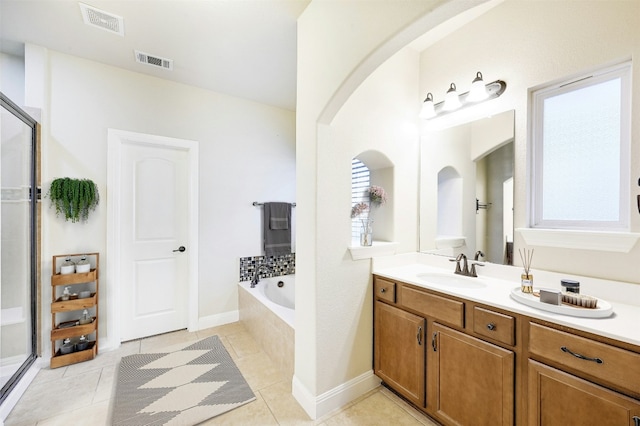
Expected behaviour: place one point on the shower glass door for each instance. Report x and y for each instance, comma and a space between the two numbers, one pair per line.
18, 216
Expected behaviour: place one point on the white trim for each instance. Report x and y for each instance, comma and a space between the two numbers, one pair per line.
621, 242
338, 397
538, 95
218, 319
378, 248
115, 140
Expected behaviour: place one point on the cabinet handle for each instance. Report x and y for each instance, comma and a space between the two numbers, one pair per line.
383, 290
636, 420
586, 358
419, 336
434, 343
491, 326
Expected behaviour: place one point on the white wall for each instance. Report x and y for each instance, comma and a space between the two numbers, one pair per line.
12, 77
557, 39
333, 298
365, 122
247, 153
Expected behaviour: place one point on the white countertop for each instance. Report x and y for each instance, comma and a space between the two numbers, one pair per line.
622, 325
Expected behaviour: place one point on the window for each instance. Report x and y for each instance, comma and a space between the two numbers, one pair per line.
360, 182
580, 131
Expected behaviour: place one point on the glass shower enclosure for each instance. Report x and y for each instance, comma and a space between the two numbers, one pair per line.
18, 244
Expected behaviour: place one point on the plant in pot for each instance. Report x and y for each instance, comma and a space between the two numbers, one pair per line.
74, 198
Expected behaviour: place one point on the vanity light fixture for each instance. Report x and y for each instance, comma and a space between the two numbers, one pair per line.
479, 92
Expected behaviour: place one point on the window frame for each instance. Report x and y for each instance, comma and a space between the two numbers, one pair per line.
360, 183
537, 97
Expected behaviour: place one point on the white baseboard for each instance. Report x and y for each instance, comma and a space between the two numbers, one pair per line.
318, 406
218, 319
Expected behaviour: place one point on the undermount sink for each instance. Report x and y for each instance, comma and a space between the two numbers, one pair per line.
452, 280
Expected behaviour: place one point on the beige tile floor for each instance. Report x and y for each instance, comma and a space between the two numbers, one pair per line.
80, 394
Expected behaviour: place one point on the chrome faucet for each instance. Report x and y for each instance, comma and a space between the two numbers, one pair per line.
478, 255
256, 276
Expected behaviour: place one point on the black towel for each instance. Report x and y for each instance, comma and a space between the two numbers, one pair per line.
277, 233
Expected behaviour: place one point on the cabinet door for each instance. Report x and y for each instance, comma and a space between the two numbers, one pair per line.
559, 398
399, 357
471, 382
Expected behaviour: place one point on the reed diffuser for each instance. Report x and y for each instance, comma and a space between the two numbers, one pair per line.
526, 279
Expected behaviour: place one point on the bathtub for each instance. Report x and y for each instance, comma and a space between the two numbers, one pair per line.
279, 300
268, 312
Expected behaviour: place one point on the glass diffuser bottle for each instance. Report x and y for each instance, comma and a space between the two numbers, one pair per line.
526, 279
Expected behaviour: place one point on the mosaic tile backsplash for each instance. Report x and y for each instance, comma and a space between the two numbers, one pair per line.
280, 265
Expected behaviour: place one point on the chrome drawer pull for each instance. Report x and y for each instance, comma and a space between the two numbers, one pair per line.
636, 420
586, 358
434, 343
491, 326
382, 290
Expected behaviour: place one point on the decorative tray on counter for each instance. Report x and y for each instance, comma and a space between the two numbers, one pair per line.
602, 310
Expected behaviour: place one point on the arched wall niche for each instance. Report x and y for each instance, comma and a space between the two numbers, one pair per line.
381, 170
450, 233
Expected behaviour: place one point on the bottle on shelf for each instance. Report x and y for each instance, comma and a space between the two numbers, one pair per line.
83, 265
67, 267
67, 347
85, 318
83, 343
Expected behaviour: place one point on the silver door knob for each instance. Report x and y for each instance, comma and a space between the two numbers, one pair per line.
180, 249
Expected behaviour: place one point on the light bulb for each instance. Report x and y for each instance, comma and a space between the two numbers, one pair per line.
478, 90
428, 110
451, 99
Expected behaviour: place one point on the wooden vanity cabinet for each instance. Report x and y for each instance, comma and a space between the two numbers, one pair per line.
399, 358
489, 366
470, 381
421, 345
576, 379
559, 398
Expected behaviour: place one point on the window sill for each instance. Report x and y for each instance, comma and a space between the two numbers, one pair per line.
379, 248
621, 242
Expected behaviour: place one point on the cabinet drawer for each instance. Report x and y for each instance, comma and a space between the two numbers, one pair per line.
437, 307
384, 290
494, 325
614, 366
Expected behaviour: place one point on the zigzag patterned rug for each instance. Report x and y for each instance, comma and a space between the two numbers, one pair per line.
185, 387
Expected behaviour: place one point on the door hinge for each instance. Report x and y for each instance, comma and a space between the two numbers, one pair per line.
38, 194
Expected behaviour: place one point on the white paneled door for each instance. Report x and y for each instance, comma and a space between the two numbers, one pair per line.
154, 245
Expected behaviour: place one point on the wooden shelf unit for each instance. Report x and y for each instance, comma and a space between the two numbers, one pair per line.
58, 306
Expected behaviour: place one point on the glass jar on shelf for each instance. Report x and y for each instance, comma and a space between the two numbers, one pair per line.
83, 265
67, 347
66, 293
67, 267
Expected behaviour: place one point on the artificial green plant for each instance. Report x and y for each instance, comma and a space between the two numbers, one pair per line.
74, 198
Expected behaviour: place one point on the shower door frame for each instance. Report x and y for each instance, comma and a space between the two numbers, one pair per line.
6, 103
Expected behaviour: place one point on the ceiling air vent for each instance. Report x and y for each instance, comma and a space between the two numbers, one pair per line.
101, 19
154, 61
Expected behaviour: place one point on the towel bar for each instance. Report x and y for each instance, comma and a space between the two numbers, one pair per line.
255, 203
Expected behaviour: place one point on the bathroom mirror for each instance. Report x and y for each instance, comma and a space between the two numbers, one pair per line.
466, 189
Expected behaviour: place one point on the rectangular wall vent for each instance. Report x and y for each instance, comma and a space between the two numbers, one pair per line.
154, 61
101, 19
